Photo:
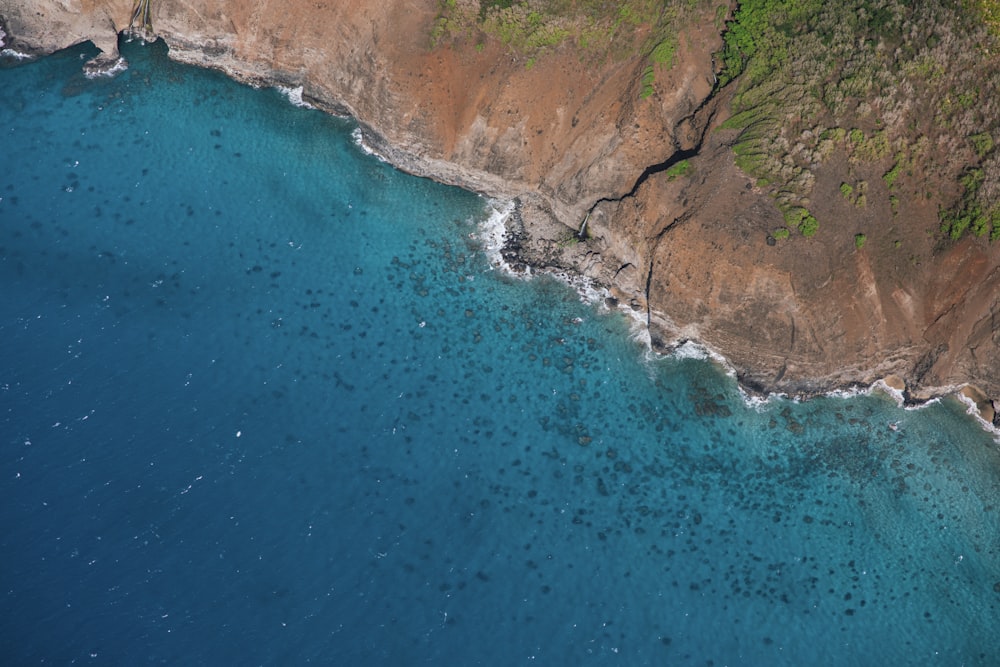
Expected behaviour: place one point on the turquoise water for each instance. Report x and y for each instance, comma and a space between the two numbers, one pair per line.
263, 401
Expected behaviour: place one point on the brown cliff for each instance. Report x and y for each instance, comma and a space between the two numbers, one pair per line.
574, 140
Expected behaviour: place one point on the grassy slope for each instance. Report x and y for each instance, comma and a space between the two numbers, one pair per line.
913, 87
599, 29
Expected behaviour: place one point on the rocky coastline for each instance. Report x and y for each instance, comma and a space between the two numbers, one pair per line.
693, 256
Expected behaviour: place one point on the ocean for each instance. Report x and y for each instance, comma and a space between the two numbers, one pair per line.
266, 400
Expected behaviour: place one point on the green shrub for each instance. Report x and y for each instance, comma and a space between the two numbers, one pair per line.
809, 226
663, 53
859, 241
648, 78
958, 225
890, 176
983, 143
781, 233
846, 189
681, 168
979, 223
794, 216
835, 134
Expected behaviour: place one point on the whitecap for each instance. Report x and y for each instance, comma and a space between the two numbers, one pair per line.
846, 394
492, 231
758, 402
691, 349
294, 95
359, 140
972, 409
16, 55
892, 392
492, 235
120, 65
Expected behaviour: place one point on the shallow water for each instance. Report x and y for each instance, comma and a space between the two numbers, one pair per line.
263, 401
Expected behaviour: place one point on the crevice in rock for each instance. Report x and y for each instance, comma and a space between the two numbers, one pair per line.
677, 156
622, 268
652, 170
649, 282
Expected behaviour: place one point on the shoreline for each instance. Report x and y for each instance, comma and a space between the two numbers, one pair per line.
509, 240
502, 246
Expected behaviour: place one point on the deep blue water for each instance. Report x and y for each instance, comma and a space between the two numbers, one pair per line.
263, 401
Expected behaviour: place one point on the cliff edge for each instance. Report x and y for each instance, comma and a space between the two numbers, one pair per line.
652, 168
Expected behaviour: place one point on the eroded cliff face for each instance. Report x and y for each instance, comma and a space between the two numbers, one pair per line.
818, 313
573, 138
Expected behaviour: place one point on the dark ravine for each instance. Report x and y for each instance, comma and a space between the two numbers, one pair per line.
803, 316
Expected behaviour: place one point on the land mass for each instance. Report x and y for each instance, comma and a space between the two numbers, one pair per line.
822, 221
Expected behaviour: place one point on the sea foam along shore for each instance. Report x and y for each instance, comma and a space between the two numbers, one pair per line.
294, 96
495, 229
973, 409
100, 68
10, 53
493, 235
358, 135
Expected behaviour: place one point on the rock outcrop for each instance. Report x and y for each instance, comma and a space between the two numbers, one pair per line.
574, 140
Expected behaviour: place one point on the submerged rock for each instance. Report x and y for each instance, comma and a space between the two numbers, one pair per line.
694, 251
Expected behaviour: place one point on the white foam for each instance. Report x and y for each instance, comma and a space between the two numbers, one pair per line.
846, 394
638, 328
120, 65
586, 288
294, 96
691, 349
895, 394
492, 232
16, 55
760, 403
899, 398
972, 409
366, 148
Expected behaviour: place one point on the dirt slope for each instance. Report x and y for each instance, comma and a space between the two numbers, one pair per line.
572, 136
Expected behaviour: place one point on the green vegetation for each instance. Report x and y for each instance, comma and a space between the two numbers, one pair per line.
781, 233
890, 176
917, 81
856, 194
859, 241
973, 214
681, 168
809, 226
800, 218
861, 200
990, 12
648, 79
596, 28
569, 240
983, 143
907, 90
